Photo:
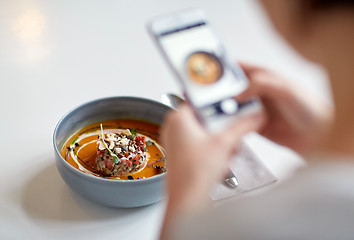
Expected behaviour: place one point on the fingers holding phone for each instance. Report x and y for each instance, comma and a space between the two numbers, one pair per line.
296, 118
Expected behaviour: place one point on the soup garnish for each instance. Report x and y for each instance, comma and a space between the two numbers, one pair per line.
122, 149
120, 153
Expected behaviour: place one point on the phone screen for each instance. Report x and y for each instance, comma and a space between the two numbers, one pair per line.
199, 59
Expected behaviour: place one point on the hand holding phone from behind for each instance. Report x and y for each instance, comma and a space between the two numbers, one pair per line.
199, 61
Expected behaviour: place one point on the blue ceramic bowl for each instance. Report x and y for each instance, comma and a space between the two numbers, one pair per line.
109, 192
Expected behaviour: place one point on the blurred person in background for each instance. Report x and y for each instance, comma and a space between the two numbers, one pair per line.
318, 203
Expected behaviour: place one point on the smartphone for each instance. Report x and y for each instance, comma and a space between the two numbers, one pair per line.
199, 60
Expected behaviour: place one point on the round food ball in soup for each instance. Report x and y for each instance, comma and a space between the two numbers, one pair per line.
120, 153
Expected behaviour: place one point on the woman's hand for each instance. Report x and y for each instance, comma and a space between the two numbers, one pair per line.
196, 158
296, 119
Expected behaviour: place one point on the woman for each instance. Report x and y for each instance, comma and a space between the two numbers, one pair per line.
319, 202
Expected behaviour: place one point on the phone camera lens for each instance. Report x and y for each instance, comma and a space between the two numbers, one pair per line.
229, 106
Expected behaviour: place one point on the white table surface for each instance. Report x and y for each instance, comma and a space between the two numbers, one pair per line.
55, 55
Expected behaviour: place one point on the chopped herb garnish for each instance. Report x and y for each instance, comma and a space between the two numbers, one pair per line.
74, 140
133, 131
125, 149
115, 159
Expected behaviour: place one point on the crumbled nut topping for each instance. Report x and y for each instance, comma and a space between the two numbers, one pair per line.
121, 153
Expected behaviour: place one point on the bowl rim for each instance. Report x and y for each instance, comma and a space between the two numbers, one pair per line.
96, 178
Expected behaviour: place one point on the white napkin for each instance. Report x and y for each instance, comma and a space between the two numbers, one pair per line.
250, 172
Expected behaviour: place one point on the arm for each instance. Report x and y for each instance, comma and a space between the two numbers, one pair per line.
196, 159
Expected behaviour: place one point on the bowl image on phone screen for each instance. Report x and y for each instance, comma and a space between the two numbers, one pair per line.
108, 151
204, 68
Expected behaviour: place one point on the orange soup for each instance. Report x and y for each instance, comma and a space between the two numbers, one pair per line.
82, 148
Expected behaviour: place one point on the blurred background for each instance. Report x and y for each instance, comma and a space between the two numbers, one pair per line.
56, 55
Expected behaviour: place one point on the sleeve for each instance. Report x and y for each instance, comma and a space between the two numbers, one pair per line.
304, 209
